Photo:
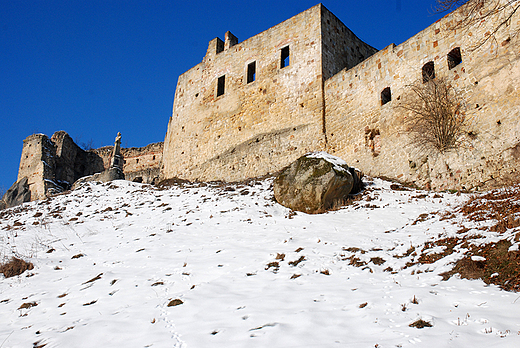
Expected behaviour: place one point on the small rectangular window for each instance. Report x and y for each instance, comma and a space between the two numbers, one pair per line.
428, 72
454, 58
221, 85
251, 72
386, 96
285, 57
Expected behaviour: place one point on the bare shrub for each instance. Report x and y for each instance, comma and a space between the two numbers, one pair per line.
476, 12
436, 120
15, 267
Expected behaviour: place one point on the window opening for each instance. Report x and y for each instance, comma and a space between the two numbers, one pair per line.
454, 58
221, 85
285, 57
428, 72
251, 72
386, 95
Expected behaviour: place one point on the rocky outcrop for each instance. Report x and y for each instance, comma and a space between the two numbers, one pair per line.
316, 182
105, 176
17, 194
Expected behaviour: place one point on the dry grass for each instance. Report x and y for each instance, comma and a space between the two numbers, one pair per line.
500, 267
499, 211
420, 324
499, 205
15, 267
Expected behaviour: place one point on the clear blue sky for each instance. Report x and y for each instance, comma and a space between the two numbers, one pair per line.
93, 68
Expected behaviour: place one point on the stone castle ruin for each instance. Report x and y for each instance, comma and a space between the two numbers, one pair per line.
50, 166
309, 84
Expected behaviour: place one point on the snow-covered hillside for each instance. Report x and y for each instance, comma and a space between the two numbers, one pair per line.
125, 264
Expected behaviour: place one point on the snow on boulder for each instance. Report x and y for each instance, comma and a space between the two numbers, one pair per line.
315, 182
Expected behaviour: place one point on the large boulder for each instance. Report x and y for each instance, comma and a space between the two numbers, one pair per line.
316, 182
17, 194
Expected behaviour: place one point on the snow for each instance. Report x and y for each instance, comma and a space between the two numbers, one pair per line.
336, 161
122, 251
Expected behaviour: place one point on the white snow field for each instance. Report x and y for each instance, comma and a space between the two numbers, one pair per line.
110, 259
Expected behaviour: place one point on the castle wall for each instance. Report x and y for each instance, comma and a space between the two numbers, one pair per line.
341, 48
374, 138
53, 165
37, 163
143, 162
254, 127
72, 162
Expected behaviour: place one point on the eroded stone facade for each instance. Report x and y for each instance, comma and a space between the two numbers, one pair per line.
253, 107
140, 163
53, 165
336, 95
371, 133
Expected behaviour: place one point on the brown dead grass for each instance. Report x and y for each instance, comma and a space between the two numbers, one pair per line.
501, 267
420, 324
15, 267
499, 205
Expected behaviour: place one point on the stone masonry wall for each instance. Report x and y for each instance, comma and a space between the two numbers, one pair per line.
373, 137
254, 127
144, 162
37, 163
341, 48
53, 165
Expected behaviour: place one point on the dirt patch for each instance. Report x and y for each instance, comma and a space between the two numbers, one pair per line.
448, 244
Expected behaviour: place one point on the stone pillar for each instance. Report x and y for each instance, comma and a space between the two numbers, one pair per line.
117, 159
230, 40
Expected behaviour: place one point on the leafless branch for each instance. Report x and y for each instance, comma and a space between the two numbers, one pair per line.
476, 12
436, 119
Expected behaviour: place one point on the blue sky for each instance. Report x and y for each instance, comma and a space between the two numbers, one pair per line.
94, 68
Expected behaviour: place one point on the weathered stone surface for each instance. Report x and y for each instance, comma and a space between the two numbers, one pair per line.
137, 161
53, 165
265, 120
314, 183
17, 194
105, 176
369, 132
338, 95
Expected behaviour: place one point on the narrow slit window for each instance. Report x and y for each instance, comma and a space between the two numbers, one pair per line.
285, 57
221, 85
251, 72
386, 96
454, 58
428, 72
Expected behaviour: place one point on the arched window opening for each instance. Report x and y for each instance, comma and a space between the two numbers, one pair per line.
428, 72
